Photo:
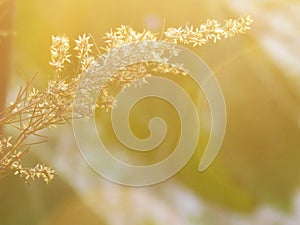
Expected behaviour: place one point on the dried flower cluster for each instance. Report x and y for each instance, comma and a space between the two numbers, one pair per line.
34, 110
59, 52
84, 51
211, 30
125, 35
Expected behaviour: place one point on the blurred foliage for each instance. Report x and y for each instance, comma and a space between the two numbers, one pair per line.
259, 160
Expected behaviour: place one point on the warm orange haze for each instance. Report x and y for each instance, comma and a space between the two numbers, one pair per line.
47, 48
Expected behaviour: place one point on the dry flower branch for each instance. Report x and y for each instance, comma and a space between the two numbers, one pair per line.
36, 110
32, 112
211, 30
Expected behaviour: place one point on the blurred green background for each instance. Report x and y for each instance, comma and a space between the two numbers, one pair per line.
255, 178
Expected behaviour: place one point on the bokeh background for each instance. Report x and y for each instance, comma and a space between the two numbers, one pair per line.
255, 178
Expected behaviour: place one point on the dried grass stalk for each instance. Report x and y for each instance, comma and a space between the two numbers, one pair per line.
35, 110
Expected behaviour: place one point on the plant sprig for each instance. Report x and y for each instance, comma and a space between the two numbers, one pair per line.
36, 110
